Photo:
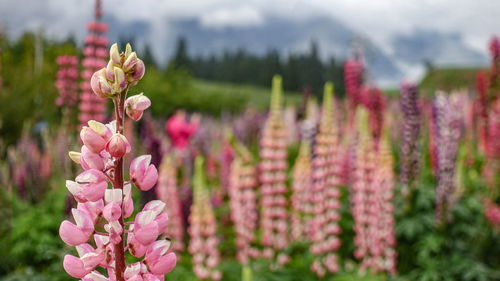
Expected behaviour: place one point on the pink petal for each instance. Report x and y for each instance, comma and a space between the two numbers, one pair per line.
164, 265
112, 211
74, 266
94, 192
72, 235
162, 221
92, 140
147, 233
149, 180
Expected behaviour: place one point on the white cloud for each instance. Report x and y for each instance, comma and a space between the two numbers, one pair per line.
238, 17
379, 20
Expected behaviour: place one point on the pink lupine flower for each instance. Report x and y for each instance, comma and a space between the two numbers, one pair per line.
74, 266
95, 136
101, 157
118, 145
66, 82
203, 243
383, 251
135, 106
80, 233
273, 177
89, 160
89, 185
93, 107
353, 77
324, 196
492, 213
301, 183
371, 196
167, 192
157, 258
142, 173
243, 202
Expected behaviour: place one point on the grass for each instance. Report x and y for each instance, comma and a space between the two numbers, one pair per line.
448, 79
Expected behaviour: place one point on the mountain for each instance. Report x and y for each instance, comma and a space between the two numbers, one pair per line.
406, 58
332, 37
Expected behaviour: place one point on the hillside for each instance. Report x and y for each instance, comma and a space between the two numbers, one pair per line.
448, 79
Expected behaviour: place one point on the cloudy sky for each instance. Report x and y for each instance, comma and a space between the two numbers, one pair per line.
379, 20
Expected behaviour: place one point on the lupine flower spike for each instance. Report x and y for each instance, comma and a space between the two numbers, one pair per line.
203, 228
323, 228
167, 192
363, 201
243, 202
382, 247
93, 107
301, 185
273, 212
449, 124
410, 150
103, 230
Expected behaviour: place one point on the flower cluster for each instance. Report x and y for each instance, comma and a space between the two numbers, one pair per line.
363, 200
373, 100
203, 228
166, 191
324, 197
95, 53
101, 211
383, 241
273, 202
353, 71
301, 184
243, 202
226, 158
66, 82
410, 152
492, 213
449, 125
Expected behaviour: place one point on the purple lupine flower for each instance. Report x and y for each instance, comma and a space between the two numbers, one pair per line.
410, 150
449, 124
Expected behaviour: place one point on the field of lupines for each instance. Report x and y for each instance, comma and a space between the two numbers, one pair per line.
363, 187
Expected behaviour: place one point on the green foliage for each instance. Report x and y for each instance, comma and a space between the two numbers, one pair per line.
448, 79
29, 242
299, 71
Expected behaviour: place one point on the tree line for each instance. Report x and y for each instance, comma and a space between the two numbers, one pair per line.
300, 71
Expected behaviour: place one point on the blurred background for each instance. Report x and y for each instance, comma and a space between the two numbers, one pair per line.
211, 63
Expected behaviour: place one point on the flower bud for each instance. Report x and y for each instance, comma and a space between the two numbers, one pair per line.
114, 54
118, 145
128, 50
130, 62
135, 106
120, 81
75, 156
99, 84
110, 74
137, 72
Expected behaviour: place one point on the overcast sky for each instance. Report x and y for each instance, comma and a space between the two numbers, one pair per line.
380, 20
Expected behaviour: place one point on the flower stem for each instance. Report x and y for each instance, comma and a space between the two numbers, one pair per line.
118, 183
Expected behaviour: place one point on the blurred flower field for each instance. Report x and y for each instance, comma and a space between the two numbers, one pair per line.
257, 183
